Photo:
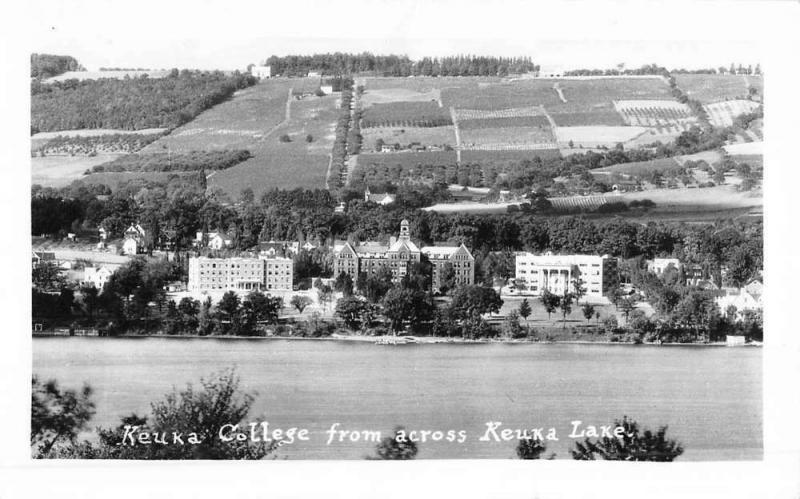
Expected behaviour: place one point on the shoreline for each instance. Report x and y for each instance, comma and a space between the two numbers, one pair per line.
421, 340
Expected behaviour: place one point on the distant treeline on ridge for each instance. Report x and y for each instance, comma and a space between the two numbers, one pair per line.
48, 65
399, 65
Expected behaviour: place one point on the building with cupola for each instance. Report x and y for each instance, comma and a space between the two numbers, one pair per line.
399, 255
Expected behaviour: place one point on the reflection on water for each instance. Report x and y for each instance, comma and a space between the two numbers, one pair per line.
709, 396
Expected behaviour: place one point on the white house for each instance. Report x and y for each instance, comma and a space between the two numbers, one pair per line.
743, 299
134, 240
261, 72
659, 265
326, 89
382, 199
559, 273
96, 277
215, 241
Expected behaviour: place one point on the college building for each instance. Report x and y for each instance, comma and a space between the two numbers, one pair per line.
399, 255
240, 274
558, 273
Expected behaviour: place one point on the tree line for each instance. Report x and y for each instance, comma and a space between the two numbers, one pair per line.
338, 63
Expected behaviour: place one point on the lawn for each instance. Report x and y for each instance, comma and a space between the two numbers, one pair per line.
114, 179
713, 88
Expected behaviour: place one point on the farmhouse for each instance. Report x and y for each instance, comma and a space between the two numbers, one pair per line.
399, 255
327, 89
261, 72
240, 274
559, 273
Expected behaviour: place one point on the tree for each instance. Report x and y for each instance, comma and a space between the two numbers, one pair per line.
229, 304
285, 138
202, 411
402, 304
350, 309
47, 276
375, 286
57, 416
565, 304
530, 448
398, 447
324, 295
550, 301
309, 138
525, 309
344, 284
258, 308
719, 177
632, 445
89, 296
474, 299
627, 304
588, 311
300, 302
447, 278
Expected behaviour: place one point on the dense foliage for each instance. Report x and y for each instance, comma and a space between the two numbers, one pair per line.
131, 103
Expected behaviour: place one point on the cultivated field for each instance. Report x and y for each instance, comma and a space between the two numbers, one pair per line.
723, 113
506, 157
254, 120
506, 95
431, 136
594, 136
406, 114
59, 171
287, 165
712, 88
579, 203
387, 95
661, 114
238, 123
510, 137
641, 167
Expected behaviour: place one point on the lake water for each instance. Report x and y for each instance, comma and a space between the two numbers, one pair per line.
711, 397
